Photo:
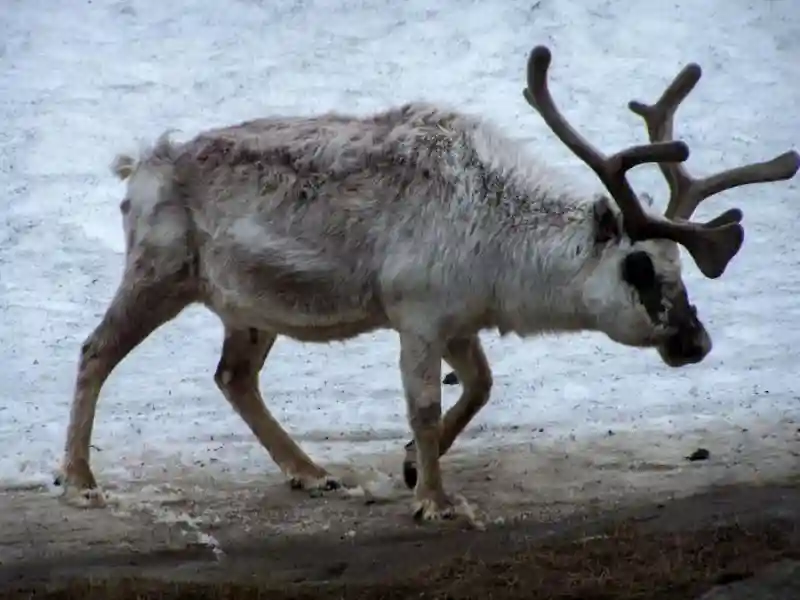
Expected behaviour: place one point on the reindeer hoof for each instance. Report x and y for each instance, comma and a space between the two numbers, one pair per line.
442, 508
316, 486
79, 497
410, 466
91, 498
450, 379
430, 510
410, 474
80, 489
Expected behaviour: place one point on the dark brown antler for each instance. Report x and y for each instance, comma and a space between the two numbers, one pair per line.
686, 192
712, 244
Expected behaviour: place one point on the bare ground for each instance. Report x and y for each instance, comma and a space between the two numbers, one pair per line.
648, 530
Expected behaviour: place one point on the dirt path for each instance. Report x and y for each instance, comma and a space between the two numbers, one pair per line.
509, 483
267, 535
671, 549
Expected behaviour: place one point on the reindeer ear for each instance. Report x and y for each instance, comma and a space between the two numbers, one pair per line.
606, 225
123, 165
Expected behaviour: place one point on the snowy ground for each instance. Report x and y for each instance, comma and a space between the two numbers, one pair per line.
83, 80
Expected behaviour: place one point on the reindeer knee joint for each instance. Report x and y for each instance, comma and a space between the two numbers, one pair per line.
427, 416
484, 383
89, 348
228, 375
479, 385
223, 377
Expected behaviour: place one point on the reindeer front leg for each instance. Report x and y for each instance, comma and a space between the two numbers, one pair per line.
468, 360
420, 366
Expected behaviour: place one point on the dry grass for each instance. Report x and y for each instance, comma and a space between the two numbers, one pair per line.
624, 563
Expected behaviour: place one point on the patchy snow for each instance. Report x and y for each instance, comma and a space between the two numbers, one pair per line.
82, 81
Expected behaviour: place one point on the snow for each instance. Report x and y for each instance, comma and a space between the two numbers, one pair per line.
84, 80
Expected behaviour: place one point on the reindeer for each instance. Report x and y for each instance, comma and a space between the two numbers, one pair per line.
419, 219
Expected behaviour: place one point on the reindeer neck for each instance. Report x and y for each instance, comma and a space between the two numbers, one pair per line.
544, 235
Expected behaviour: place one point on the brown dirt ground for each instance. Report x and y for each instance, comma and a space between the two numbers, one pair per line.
673, 549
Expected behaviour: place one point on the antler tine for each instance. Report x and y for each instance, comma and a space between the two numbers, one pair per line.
659, 118
712, 245
687, 192
610, 170
782, 167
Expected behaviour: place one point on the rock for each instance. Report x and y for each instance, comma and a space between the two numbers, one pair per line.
699, 454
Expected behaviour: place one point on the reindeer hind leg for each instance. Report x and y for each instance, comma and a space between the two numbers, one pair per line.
243, 355
139, 307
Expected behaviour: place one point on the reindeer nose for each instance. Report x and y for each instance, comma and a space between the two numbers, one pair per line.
695, 344
693, 350
688, 346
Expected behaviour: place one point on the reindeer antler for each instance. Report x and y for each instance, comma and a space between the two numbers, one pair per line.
712, 244
687, 192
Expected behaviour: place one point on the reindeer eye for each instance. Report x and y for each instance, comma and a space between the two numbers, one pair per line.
638, 271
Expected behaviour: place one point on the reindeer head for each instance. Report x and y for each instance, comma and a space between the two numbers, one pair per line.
636, 292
